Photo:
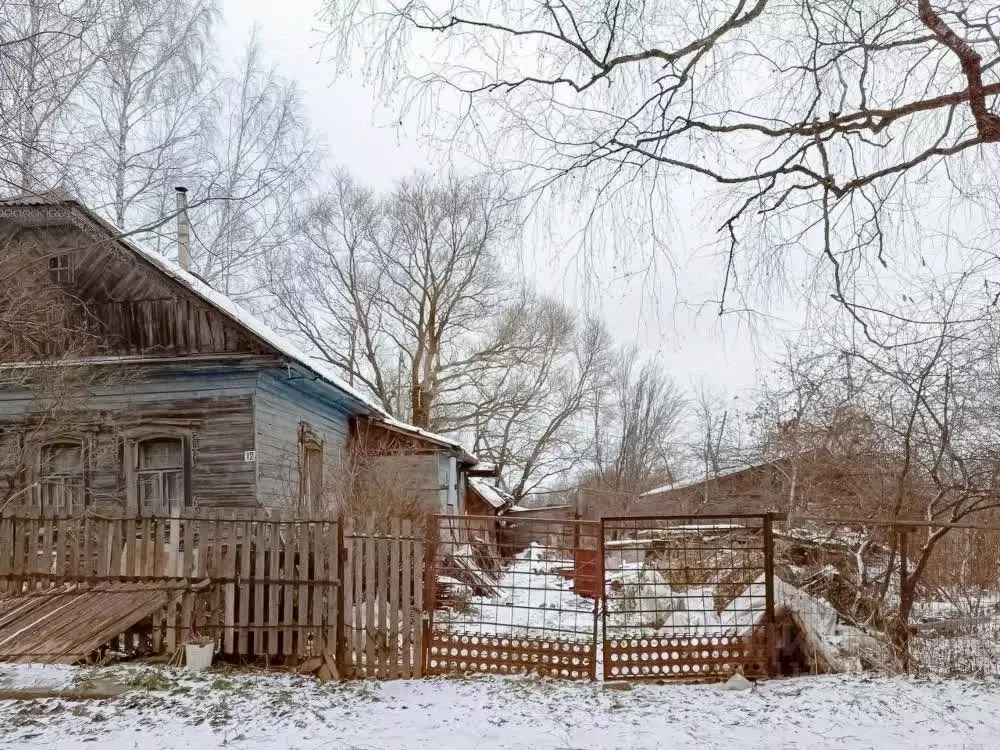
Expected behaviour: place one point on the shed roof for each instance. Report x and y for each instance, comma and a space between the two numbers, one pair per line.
694, 481
492, 495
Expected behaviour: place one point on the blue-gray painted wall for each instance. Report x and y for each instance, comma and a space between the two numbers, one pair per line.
230, 409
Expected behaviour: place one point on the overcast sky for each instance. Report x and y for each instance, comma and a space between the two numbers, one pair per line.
658, 310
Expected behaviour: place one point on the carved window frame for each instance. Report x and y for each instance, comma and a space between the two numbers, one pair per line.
133, 438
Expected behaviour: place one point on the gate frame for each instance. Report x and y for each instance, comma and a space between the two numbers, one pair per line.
767, 540
538, 654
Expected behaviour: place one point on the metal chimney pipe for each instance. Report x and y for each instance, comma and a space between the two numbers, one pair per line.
183, 229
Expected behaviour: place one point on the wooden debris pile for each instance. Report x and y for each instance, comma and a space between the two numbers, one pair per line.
324, 667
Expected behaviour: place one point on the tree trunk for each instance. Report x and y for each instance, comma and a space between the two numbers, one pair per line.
899, 628
420, 407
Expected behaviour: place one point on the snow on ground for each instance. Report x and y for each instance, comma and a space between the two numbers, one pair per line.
44, 676
534, 600
170, 709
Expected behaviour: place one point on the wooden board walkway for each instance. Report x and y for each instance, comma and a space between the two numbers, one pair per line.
64, 625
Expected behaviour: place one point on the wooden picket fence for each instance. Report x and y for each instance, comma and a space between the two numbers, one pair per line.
383, 594
273, 588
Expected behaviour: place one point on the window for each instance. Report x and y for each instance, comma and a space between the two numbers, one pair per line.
61, 477
161, 474
311, 469
61, 268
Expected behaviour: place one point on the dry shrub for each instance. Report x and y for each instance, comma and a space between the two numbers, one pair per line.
367, 487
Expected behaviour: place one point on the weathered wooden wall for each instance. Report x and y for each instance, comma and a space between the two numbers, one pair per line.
281, 404
130, 306
483, 519
394, 463
518, 529
215, 404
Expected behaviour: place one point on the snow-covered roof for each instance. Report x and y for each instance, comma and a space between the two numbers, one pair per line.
394, 424
540, 508
496, 497
231, 309
693, 481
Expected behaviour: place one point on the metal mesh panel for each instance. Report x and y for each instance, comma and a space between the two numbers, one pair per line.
687, 597
515, 597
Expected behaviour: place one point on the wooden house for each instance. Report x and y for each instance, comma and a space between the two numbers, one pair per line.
179, 397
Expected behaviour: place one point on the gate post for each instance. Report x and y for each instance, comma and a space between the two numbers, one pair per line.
772, 646
601, 602
432, 534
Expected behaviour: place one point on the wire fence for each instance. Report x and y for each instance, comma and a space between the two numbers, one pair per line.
704, 597
506, 603
687, 597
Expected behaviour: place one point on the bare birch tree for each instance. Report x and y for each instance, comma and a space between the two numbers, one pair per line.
257, 155
145, 104
49, 48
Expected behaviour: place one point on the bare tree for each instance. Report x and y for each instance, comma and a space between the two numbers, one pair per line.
716, 447
45, 339
823, 125
636, 428
49, 48
120, 101
531, 416
145, 104
403, 294
257, 155
908, 430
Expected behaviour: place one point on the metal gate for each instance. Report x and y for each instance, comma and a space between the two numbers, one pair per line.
513, 595
688, 597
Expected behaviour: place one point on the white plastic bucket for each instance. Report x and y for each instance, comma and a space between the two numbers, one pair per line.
198, 657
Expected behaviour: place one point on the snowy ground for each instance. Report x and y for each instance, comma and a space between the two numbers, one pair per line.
252, 711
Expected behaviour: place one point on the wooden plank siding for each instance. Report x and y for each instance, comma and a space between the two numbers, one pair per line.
282, 404
214, 407
228, 410
126, 304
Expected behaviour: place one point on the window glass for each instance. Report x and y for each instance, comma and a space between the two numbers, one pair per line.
62, 477
160, 474
161, 453
61, 268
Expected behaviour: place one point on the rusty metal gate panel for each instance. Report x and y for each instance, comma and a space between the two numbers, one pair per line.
688, 597
513, 595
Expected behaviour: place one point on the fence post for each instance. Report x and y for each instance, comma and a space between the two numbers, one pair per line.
769, 628
600, 606
340, 626
432, 530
